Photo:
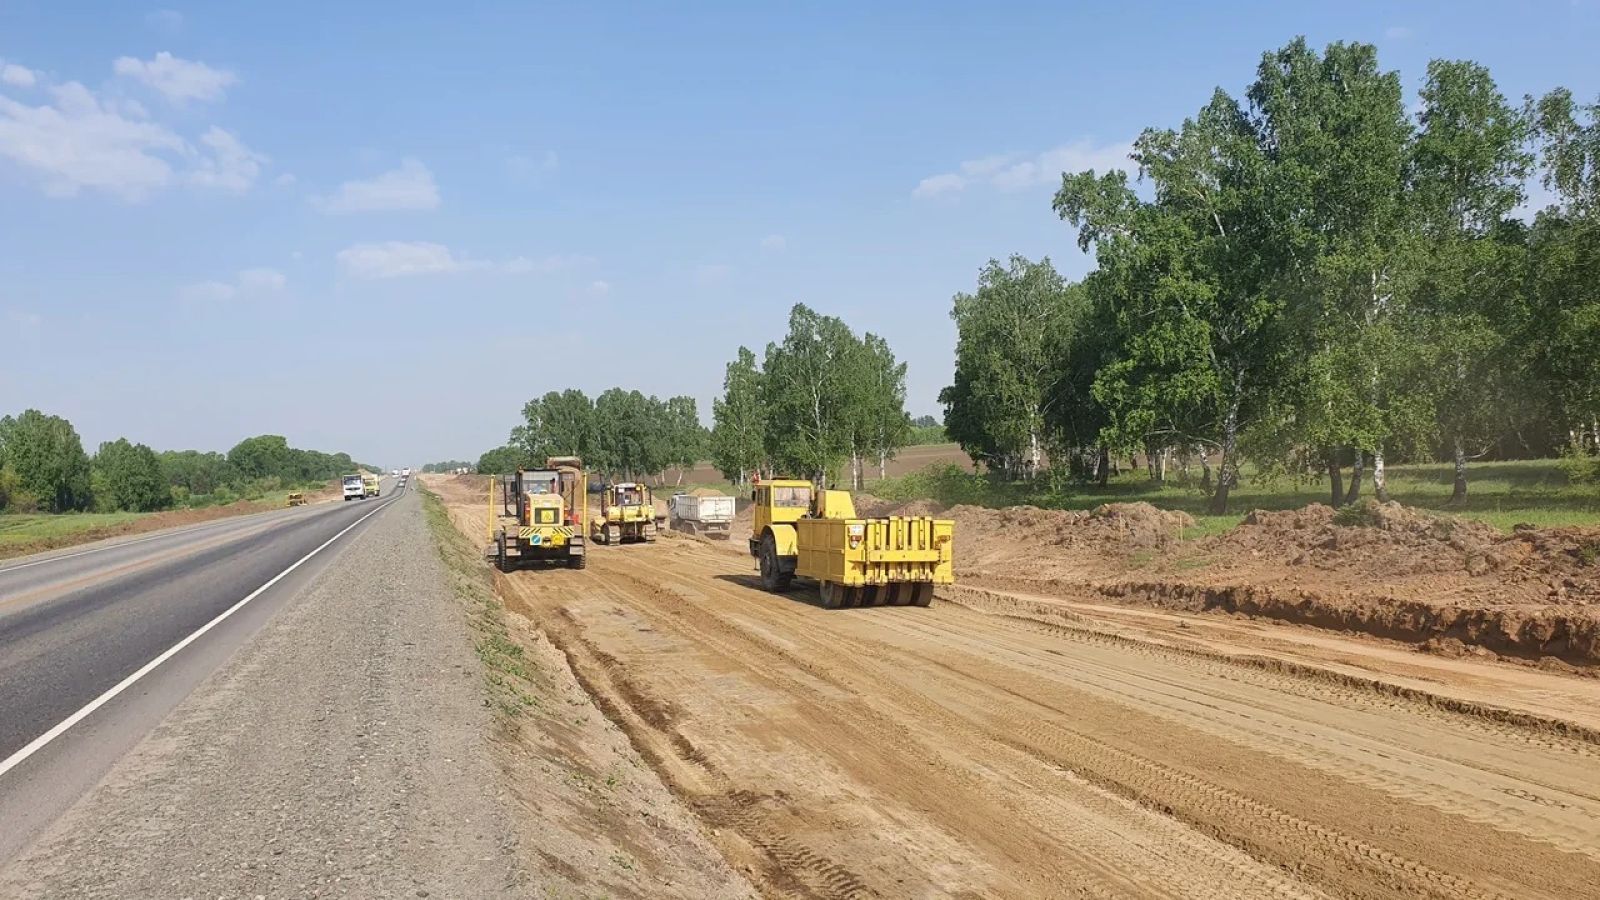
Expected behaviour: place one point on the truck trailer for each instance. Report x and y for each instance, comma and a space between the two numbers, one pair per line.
708, 514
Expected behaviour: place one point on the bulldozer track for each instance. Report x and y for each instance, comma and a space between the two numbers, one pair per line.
1095, 871
974, 749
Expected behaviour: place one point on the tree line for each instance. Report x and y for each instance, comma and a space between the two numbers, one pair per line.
1309, 277
44, 468
621, 433
821, 399
449, 465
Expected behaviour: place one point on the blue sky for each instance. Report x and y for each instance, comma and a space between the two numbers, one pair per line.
380, 227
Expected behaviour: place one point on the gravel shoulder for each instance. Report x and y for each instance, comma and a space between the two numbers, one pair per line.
390, 733
341, 752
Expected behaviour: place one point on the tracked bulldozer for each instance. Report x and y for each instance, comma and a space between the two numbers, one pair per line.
627, 514
539, 515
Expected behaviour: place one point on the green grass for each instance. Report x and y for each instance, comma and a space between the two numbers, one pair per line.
28, 528
511, 680
1502, 494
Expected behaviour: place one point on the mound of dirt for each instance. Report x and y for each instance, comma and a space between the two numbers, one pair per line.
1379, 539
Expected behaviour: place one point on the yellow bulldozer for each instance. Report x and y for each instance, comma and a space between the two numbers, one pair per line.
539, 515
627, 514
801, 532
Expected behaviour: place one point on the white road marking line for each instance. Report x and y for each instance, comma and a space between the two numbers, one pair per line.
60, 728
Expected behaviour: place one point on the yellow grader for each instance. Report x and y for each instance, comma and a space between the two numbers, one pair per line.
539, 515
800, 532
627, 514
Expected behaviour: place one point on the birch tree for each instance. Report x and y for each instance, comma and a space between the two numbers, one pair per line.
1468, 165
1010, 336
738, 435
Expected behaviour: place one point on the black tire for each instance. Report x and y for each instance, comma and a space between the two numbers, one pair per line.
500, 551
922, 595
581, 561
832, 594
773, 578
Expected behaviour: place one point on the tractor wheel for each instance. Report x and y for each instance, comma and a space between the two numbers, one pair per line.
773, 578
613, 535
500, 551
922, 595
581, 561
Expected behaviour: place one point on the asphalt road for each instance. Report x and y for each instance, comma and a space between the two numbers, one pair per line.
121, 618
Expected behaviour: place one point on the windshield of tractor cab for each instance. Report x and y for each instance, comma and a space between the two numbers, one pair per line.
627, 496
791, 497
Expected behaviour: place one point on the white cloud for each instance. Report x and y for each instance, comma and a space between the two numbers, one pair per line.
229, 166
411, 186
214, 291
166, 21
599, 288
707, 275
284, 180
248, 282
396, 259
179, 80
17, 76
76, 140
532, 170
1397, 32
1014, 172
773, 242
78, 143
522, 265
263, 279
934, 185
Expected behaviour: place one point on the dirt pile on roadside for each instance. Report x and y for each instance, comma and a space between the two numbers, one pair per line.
1376, 539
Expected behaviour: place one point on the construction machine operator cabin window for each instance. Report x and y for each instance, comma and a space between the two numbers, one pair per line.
791, 497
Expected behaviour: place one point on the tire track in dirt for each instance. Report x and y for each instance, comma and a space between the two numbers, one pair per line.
1058, 618
1085, 821
975, 624
1424, 764
961, 753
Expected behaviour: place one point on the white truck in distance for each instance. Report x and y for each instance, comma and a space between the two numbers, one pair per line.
354, 489
709, 514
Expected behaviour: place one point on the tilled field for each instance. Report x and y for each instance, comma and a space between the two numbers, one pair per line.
958, 751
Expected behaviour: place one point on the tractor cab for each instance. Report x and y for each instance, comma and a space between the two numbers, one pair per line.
537, 516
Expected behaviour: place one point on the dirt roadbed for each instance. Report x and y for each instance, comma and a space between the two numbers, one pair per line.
1001, 750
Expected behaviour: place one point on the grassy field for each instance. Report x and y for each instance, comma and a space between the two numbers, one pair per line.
31, 532
28, 528
1504, 494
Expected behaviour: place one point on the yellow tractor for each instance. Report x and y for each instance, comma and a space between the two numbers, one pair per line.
800, 532
539, 515
627, 514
